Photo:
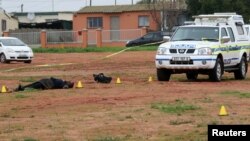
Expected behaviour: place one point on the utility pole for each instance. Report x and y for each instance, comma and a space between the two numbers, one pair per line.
115, 2
90, 2
21, 8
132, 2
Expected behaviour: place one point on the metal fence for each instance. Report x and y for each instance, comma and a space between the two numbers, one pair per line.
120, 35
63, 37
30, 38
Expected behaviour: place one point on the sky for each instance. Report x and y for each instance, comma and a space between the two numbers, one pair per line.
55, 5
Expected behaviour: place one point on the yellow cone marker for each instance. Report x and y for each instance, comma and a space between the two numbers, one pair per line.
4, 89
150, 79
118, 81
223, 111
79, 85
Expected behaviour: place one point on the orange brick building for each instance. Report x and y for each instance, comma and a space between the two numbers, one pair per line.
118, 17
118, 24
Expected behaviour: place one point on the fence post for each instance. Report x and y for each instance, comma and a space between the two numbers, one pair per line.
143, 31
84, 38
6, 34
43, 39
99, 37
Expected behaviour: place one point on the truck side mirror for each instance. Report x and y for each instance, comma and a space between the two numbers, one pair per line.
225, 39
166, 38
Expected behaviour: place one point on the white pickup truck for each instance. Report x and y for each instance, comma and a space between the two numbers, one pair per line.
213, 44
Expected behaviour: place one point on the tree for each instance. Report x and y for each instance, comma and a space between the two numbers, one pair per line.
163, 12
196, 7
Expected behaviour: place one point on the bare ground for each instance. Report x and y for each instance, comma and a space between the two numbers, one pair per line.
114, 111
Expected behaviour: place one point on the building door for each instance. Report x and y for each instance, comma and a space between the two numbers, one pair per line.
115, 28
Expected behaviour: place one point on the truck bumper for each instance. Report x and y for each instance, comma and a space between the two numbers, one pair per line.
195, 62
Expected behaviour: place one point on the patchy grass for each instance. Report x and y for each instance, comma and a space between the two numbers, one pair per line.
176, 108
179, 122
207, 100
28, 79
109, 139
29, 139
237, 93
92, 49
20, 96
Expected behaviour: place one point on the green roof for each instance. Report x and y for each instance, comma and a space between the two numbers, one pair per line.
113, 9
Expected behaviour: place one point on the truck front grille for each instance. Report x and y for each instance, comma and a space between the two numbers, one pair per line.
182, 51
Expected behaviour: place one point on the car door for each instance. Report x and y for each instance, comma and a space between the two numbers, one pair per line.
1, 48
148, 38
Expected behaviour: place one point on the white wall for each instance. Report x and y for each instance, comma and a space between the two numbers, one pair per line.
42, 18
11, 23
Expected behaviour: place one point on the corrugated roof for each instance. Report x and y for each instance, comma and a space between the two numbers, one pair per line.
113, 8
39, 13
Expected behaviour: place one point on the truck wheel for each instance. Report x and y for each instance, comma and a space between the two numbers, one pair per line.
241, 73
28, 61
217, 72
163, 74
192, 75
3, 59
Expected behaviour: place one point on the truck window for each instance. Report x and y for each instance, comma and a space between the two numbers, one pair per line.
247, 29
223, 32
196, 34
231, 34
240, 29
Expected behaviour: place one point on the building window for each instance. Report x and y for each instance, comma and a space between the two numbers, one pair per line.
4, 25
143, 21
94, 22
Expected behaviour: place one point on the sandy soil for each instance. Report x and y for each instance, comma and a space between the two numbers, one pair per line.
114, 111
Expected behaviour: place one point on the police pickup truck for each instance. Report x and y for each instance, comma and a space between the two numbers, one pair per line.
214, 44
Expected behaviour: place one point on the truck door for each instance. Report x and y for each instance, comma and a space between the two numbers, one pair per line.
233, 53
225, 48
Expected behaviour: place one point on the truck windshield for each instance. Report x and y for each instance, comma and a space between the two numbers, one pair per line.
196, 34
12, 42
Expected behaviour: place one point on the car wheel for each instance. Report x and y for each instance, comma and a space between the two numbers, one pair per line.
217, 72
3, 59
28, 62
192, 75
240, 74
163, 74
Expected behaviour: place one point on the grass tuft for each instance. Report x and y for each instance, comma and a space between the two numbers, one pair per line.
109, 139
20, 96
237, 93
176, 108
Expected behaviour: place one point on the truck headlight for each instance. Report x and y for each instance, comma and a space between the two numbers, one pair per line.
205, 51
161, 51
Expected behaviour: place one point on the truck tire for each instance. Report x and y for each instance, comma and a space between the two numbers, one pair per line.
192, 75
163, 74
240, 74
217, 72
3, 59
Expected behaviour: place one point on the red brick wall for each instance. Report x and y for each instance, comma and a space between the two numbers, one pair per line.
128, 20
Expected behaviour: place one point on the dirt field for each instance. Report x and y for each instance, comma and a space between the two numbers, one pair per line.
133, 110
